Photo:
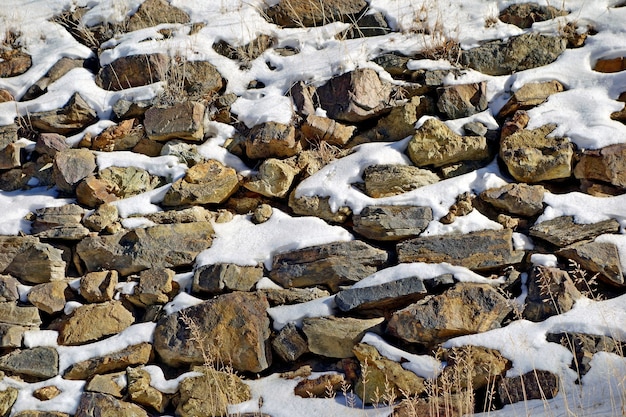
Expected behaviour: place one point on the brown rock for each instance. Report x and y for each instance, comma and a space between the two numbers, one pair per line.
36, 413
272, 140
206, 183
11, 313
202, 79
515, 123
107, 384
462, 100
46, 393
154, 12
304, 98
525, 14
123, 136
321, 387
551, 291
318, 128
303, 13
534, 385
472, 367
335, 337
63, 222
10, 156
98, 287
93, 192
75, 115
113, 362
318, 207
218, 278
13, 63
8, 288
390, 180
71, 166
606, 164
274, 178
179, 121
36, 262
392, 222
521, 199
155, 285
6, 96
11, 335
100, 405
610, 65
58, 70
142, 393
77, 328
529, 96
563, 231
598, 257
50, 297
137, 70
101, 217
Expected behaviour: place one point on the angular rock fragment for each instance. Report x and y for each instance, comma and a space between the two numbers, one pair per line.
155, 286
389, 180
520, 199
75, 115
38, 363
463, 100
123, 136
518, 121
332, 264
274, 179
323, 386
607, 164
292, 295
142, 393
63, 222
10, 156
289, 344
551, 291
318, 207
8, 288
472, 367
78, 328
597, 257
318, 128
8, 397
27, 316
217, 278
132, 355
154, 12
50, 297
46, 393
529, 96
304, 13
534, 385
95, 404
98, 286
272, 140
58, 70
71, 166
11, 335
335, 337
137, 70
36, 262
476, 250
206, 183
392, 222
179, 121
14, 62
111, 384
202, 79
525, 14
563, 231
390, 295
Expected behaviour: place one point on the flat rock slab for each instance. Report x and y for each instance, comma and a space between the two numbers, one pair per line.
481, 250
117, 361
138, 70
11, 313
394, 295
563, 231
607, 164
598, 257
62, 222
521, 199
335, 337
210, 182
75, 115
392, 222
529, 96
94, 404
78, 328
38, 363
389, 180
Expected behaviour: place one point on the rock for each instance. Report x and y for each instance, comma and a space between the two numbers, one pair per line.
123, 136
8, 288
11, 335
318, 128
529, 96
355, 96
186, 215
274, 178
534, 385
155, 286
390, 180
218, 278
186, 153
335, 337
36, 262
472, 367
323, 386
8, 397
154, 12
368, 25
480, 250
390, 295
128, 109
600, 258
304, 98
207, 183
563, 231
167, 246
606, 164
289, 344
392, 222
98, 286
178, 121
210, 394
532, 156
514, 124
8, 135
202, 79
132, 355
610, 65
46, 393
466, 308
526, 51
58, 70
61, 222
50, 297
10, 156
78, 328
11, 313
138, 70
272, 140
551, 291
450, 404
75, 115
177, 336
93, 192
142, 393
462, 100
38, 363
318, 207
463, 206
292, 295
525, 14
436, 144
71, 166
6, 96
332, 264
384, 377
13, 63
36, 413
94, 404
520, 199
101, 217
303, 13
125, 182
111, 384
262, 213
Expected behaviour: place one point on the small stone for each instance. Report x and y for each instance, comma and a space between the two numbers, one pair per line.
520, 199
289, 344
530, 95
390, 180
392, 222
75, 115
514, 124
335, 337
111, 384
321, 387
206, 183
563, 231
132, 355
78, 328
262, 213
142, 393
8, 288
50, 297
94, 404
391, 295
534, 385
218, 278
11, 313
138, 70
155, 285
38, 363
46, 393
274, 178
11, 335
272, 140
462, 100
179, 121
71, 166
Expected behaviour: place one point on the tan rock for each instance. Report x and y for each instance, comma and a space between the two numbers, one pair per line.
154, 12
318, 207
155, 286
112, 317
179, 121
99, 286
551, 291
50, 297
71, 166
123, 136
36, 263
335, 337
320, 387
529, 96
390, 180
133, 355
318, 128
207, 183
11, 313
521, 199
11, 335
46, 393
217, 278
63, 222
610, 65
606, 164
8, 397
272, 140
142, 393
95, 404
274, 178
93, 192
107, 384
75, 115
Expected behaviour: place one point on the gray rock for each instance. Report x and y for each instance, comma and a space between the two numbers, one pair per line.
534, 385
606, 164
202, 79
391, 295
481, 250
179, 121
206, 183
289, 344
94, 404
390, 180
292, 295
392, 222
11, 335
551, 291
332, 264
218, 278
335, 337
529, 96
138, 70
36, 262
127, 109
8, 135
38, 363
563, 231
63, 222
318, 207
71, 166
272, 140
520, 199
597, 257
75, 115
187, 153
11, 313
367, 25
132, 355
462, 100
8, 288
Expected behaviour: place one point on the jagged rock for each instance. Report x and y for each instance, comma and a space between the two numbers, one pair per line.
532, 156
94, 404
436, 144
36, 413
178, 121
289, 344
476, 250
138, 70
606, 164
462, 100
207, 183
61, 222
8, 397
368, 25
38, 363
202, 79
274, 178
168, 246
71, 166
529, 96
563, 231
14, 62
355, 96
304, 98
332, 264
262, 213
8, 288
229, 316
186, 153
520, 199
154, 12
598, 257
466, 308
472, 367
534, 385
75, 115
551, 291
392, 222
516, 54
113, 362
389, 180
514, 124
123, 136
58, 70
293, 295
93, 192
318, 207
210, 394
384, 376
123, 182
46, 393
272, 140
610, 65
50, 297
390, 295
218, 278
98, 286
11, 335
318, 128
155, 287
8, 135
463, 206
142, 393
303, 13
78, 328
35, 262
101, 217
11, 313
111, 384
335, 337
128, 109
323, 386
